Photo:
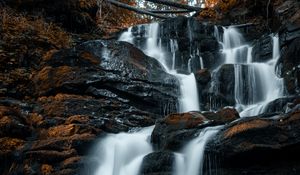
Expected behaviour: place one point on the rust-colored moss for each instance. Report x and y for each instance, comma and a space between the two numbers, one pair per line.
189, 120
242, 127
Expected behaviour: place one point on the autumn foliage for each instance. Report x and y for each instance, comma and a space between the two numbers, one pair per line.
26, 37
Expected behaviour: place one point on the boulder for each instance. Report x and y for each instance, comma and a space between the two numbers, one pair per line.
158, 163
275, 139
172, 132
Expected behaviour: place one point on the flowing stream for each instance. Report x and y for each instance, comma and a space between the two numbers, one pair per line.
256, 85
260, 86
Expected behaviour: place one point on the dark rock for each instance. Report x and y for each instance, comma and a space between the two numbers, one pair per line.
225, 115
203, 76
288, 12
12, 123
290, 66
281, 105
124, 73
172, 132
158, 163
50, 156
275, 140
263, 49
175, 130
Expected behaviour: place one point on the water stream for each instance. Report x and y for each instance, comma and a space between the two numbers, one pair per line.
123, 153
261, 85
256, 85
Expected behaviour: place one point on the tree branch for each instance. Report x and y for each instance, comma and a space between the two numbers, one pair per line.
169, 11
137, 10
174, 4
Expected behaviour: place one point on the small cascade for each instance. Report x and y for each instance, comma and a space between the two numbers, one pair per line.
272, 86
190, 161
123, 153
256, 84
189, 100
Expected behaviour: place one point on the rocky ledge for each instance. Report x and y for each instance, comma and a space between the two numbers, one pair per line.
77, 95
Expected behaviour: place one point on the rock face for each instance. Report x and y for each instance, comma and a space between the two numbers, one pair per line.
110, 69
238, 145
172, 132
80, 93
290, 65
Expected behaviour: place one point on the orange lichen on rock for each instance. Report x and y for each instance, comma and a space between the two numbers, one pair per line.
189, 120
46, 169
90, 57
77, 119
11, 144
242, 127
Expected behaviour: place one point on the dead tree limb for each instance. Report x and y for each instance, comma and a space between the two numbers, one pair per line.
242, 25
175, 4
137, 10
169, 11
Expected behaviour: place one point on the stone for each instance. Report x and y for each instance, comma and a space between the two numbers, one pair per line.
158, 163
241, 142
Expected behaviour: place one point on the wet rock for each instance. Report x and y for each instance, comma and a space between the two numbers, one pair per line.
124, 73
225, 115
290, 66
175, 130
239, 144
158, 163
50, 156
288, 12
263, 49
281, 105
172, 132
10, 149
91, 114
12, 123
78, 141
203, 76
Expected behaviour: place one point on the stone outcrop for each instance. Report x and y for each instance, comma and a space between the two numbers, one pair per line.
258, 146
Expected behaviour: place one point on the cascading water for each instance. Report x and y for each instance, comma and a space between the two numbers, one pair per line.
261, 85
189, 100
190, 161
256, 84
123, 153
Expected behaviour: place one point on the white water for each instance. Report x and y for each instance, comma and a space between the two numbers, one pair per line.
123, 153
191, 159
189, 100
263, 86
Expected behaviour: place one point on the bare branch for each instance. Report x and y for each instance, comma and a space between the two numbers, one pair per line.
175, 4
137, 10
169, 11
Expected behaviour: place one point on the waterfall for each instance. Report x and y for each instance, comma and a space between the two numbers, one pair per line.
255, 86
190, 161
189, 100
123, 153
261, 85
